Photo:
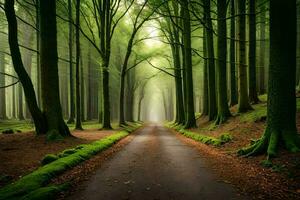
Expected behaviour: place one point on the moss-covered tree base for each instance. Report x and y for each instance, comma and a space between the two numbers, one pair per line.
269, 143
222, 118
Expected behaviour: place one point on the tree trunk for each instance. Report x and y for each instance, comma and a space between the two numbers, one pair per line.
262, 50
233, 87
38, 64
78, 125
3, 115
190, 112
90, 88
252, 53
25, 80
212, 109
281, 111
243, 100
20, 102
49, 68
72, 102
205, 77
223, 109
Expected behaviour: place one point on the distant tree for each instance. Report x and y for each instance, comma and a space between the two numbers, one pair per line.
223, 109
212, 100
190, 120
71, 78
233, 86
253, 98
281, 111
243, 99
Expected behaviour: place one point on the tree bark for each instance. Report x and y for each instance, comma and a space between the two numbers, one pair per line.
190, 112
3, 115
233, 87
243, 99
281, 111
262, 47
253, 98
223, 109
72, 102
49, 70
212, 100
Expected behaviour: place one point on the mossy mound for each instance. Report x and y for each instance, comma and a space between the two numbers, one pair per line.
225, 137
48, 159
45, 193
202, 138
38, 179
67, 152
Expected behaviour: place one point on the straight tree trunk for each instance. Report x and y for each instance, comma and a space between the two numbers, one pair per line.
212, 100
253, 98
3, 115
90, 87
72, 102
223, 109
78, 125
49, 71
243, 100
190, 111
233, 87
262, 50
20, 102
38, 64
205, 77
281, 112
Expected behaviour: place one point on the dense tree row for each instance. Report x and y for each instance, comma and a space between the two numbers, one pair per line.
86, 60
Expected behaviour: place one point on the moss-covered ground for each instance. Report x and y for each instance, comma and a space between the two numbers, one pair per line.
35, 184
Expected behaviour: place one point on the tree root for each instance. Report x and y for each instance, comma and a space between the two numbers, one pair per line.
269, 143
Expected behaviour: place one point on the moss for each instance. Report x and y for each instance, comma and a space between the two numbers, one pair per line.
258, 114
197, 115
8, 131
53, 135
68, 152
202, 138
49, 158
45, 193
225, 137
41, 177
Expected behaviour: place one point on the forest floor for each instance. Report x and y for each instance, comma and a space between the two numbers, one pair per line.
280, 181
22, 152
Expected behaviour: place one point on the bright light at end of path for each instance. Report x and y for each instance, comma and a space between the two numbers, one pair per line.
153, 34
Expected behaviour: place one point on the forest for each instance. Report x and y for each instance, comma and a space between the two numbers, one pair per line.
149, 99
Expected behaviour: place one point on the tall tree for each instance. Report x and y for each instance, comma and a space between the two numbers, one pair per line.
205, 77
233, 87
262, 48
2, 90
243, 99
188, 67
71, 78
212, 100
223, 109
281, 111
253, 98
49, 70
78, 125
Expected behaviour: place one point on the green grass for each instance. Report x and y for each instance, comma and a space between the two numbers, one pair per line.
41, 177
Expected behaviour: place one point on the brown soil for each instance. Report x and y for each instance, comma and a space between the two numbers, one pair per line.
21, 153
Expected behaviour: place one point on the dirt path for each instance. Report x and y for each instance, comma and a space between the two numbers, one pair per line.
155, 165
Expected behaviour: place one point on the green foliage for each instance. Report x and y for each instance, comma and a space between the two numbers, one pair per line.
197, 115
49, 158
40, 177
